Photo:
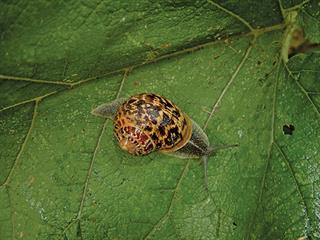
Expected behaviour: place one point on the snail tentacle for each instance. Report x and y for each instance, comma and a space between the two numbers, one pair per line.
213, 149
205, 169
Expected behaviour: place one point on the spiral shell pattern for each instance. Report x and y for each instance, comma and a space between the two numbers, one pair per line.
147, 122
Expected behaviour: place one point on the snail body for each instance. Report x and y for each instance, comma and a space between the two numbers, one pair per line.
148, 122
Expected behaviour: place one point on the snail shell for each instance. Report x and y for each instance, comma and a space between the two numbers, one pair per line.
148, 122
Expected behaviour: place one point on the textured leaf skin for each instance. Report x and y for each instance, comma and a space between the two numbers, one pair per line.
224, 63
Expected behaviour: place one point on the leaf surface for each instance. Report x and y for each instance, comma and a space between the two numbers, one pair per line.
225, 64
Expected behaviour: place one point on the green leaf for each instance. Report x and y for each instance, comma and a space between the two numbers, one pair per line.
225, 64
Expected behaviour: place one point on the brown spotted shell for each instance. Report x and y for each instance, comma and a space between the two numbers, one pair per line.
149, 122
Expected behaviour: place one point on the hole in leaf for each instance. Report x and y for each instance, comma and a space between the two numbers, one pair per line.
288, 129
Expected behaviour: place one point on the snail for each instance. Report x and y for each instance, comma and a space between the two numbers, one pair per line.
148, 122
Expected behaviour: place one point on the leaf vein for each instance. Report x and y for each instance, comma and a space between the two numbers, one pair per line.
166, 215
86, 183
15, 78
272, 141
303, 90
289, 166
28, 101
245, 22
225, 89
162, 57
17, 159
